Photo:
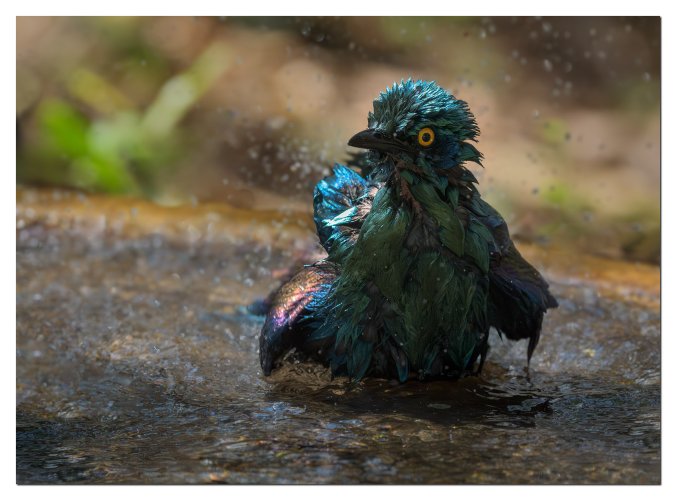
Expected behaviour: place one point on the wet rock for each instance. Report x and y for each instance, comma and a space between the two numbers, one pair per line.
137, 363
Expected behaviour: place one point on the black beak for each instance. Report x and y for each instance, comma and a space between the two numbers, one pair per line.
374, 139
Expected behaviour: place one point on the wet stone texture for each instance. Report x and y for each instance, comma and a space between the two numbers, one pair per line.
137, 363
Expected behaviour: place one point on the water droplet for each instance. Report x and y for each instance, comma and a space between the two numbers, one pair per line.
439, 406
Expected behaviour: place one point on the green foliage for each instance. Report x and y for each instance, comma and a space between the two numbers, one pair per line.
65, 128
565, 197
554, 131
113, 147
68, 134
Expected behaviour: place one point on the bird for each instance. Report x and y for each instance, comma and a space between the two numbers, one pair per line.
418, 267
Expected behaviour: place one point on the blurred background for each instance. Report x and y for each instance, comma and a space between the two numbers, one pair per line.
252, 112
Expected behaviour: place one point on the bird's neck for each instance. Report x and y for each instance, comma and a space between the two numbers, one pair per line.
437, 205
426, 190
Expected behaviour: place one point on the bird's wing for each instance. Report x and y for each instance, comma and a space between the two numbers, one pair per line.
289, 319
519, 295
341, 202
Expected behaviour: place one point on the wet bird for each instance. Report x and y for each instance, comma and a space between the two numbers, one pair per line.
419, 267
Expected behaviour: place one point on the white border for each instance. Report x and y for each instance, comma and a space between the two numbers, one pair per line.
344, 7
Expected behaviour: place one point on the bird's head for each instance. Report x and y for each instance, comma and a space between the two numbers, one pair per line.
418, 122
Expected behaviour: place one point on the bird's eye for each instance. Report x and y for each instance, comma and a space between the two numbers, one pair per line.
426, 137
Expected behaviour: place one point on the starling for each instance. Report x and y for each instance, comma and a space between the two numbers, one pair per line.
419, 267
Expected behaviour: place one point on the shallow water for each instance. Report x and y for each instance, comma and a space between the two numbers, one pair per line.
137, 363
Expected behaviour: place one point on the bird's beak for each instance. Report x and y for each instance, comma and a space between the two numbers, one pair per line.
374, 139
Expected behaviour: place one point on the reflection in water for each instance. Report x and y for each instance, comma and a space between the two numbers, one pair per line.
136, 363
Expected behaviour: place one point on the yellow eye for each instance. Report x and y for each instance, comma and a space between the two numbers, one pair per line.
426, 137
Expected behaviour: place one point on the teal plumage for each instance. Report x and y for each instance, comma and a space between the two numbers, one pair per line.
419, 267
